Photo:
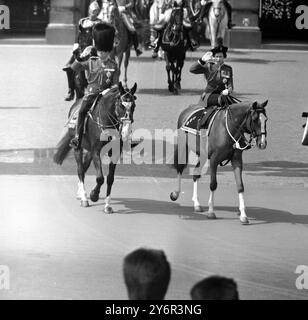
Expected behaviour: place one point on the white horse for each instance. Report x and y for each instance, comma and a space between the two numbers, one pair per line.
155, 16
216, 22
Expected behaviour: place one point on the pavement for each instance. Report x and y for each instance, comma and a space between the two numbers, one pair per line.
57, 250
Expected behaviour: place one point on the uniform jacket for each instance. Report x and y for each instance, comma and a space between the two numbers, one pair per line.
214, 76
101, 73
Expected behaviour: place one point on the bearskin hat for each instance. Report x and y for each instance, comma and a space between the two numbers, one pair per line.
103, 36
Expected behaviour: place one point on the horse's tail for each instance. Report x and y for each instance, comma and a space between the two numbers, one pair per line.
180, 158
63, 147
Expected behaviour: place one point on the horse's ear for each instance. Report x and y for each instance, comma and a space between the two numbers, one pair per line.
121, 88
264, 104
133, 89
255, 105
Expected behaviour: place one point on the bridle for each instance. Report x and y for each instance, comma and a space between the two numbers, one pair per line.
117, 121
246, 126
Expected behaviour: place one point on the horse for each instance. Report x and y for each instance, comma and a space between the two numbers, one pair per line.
216, 21
175, 44
222, 142
107, 128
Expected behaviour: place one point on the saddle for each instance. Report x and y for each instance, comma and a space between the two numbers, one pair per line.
199, 118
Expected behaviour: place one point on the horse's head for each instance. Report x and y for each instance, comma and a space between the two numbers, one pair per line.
218, 7
256, 123
125, 109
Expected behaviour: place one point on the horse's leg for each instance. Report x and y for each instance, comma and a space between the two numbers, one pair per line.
126, 61
179, 67
120, 57
237, 164
94, 195
168, 69
176, 193
114, 155
213, 187
81, 193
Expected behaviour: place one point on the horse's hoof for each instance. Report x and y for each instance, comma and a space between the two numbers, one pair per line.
94, 196
198, 209
174, 195
244, 220
84, 203
211, 215
170, 87
108, 210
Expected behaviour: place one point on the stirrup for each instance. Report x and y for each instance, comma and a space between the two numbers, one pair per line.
75, 143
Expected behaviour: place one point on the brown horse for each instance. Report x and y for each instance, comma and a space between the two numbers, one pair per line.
108, 126
225, 141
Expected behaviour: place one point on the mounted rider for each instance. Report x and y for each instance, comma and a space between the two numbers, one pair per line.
101, 71
205, 9
161, 25
125, 9
219, 77
83, 40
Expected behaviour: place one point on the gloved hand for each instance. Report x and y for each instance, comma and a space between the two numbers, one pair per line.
225, 92
75, 47
207, 56
86, 52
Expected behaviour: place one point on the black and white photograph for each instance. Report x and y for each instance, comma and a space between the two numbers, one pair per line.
154, 150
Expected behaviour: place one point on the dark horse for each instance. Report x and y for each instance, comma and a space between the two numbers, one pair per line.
222, 142
108, 126
174, 43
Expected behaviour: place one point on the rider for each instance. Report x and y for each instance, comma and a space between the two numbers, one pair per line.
161, 25
219, 77
206, 5
101, 71
83, 40
125, 9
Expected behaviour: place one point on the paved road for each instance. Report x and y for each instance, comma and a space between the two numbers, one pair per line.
55, 249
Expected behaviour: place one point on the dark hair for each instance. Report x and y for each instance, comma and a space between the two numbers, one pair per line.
215, 288
146, 274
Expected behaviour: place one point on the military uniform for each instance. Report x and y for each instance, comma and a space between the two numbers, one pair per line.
83, 39
214, 75
125, 9
101, 72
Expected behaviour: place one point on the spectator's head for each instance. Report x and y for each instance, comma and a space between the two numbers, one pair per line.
215, 288
146, 274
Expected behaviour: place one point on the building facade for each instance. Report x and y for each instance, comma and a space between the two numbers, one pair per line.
255, 20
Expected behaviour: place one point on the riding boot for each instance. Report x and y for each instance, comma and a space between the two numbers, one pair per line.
69, 63
76, 141
71, 85
136, 44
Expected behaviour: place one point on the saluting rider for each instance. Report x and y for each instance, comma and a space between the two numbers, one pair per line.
101, 72
84, 39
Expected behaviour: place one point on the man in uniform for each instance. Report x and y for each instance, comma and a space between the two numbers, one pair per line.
125, 9
219, 76
83, 40
161, 25
101, 72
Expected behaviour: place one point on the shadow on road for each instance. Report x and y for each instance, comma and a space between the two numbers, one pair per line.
256, 214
